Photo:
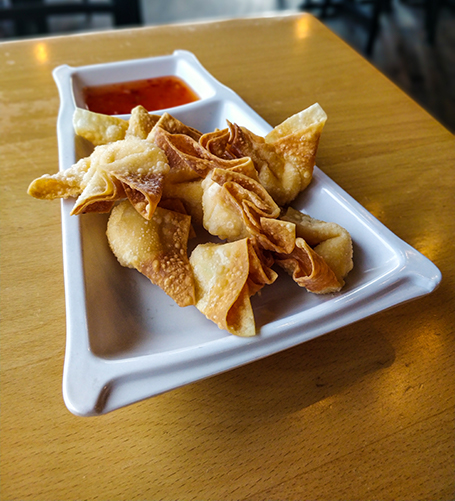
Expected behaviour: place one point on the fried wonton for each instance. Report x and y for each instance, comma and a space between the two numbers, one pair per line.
309, 269
185, 162
329, 240
322, 256
133, 168
159, 177
99, 192
285, 158
141, 123
64, 184
188, 158
226, 276
190, 161
138, 165
157, 248
172, 125
190, 193
237, 206
98, 128
217, 143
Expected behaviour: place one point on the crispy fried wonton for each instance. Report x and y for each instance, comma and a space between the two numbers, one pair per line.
103, 129
157, 248
234, 203
141, 122
308, 269
190, 161
131, 167
331, 241
188, 158
322, 256
285, 158
170, 124
226, 276
217, 143
63, 184
98, 128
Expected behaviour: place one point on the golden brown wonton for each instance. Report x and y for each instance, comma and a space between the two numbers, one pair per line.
98, 128
131, 167
63, 184
226, 276
329, 240
157, 248
141, 123
233, 204
309, 269
285, 157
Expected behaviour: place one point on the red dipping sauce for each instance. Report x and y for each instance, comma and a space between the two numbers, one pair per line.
152, 93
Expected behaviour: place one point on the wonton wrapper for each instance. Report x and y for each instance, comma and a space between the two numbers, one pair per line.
64, 184
217, 142
308, 269
226, 276
285, 158
133, 168
141, 123
170, 124
98, 128
161, 135
261, 272
100, 192
237, 206
190, 162
181, 156
137, 164
157, 248
190, 194
188, 159
329, 240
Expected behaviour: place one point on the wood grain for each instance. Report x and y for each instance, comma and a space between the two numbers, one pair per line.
365, 412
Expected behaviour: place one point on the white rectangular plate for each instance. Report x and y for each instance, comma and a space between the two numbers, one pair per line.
127, 341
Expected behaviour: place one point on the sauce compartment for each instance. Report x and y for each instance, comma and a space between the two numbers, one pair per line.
181, 64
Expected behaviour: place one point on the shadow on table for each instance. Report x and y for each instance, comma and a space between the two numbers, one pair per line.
301, 376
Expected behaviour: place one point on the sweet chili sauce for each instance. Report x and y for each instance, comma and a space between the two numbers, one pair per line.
152, 93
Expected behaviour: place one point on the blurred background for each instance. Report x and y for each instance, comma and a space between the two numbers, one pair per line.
411, 41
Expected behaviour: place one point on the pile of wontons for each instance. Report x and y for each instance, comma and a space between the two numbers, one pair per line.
159, 179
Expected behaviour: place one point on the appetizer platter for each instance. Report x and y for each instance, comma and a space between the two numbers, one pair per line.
197, 238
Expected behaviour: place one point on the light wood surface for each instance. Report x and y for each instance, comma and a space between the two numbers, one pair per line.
365, 412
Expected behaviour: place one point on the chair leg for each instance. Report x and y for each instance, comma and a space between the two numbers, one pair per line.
325, 7
431, 18
378, 7
31, 26
127, 12
311, 5
388, 6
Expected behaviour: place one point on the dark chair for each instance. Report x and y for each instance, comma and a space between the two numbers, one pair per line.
355, 8
432, 14
30, 16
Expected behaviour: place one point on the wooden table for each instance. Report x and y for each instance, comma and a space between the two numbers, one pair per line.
365, 412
